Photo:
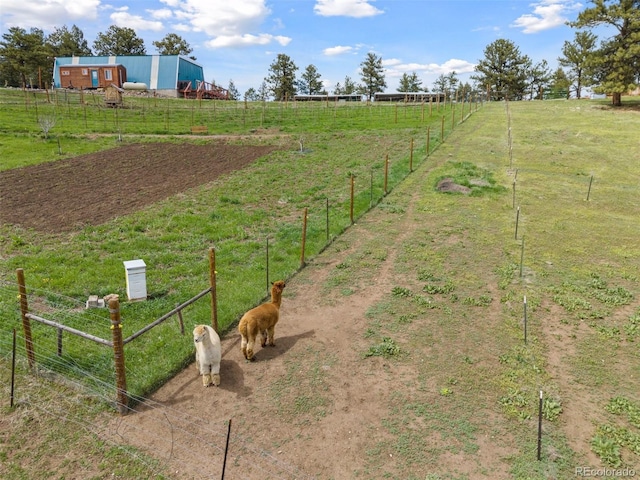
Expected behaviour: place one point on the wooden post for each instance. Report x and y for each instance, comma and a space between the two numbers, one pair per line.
352, 196
304, 236
26, 323
118, 355
442, 130
180, 321
453, 118
212, 283
428, 138
411, 157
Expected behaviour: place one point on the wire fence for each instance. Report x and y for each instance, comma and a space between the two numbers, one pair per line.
72, 112
189, 446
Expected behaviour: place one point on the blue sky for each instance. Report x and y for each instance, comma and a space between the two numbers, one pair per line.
239, 39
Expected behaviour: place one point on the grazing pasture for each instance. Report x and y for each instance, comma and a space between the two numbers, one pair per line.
400, 348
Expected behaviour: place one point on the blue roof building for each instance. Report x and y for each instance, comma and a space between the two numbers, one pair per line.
166, 75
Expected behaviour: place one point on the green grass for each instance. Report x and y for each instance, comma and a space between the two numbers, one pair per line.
173, 236
456, 316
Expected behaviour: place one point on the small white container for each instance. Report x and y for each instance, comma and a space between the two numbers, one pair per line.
136, 280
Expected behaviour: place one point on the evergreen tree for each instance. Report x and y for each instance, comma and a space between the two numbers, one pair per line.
68, 43
349, 87
539, 79
251, 95
446, 84
504, 71
26, 59
410, 83
281, 82
310, 83
263, 92
173, 44
118, 41
616, 64
372, 76
575, 58
234, 94
560, 85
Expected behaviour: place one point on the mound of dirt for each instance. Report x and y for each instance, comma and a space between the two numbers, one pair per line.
448, 185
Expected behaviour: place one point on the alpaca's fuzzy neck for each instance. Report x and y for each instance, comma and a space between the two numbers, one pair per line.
276, 296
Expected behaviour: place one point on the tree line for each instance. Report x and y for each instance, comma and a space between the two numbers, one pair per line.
612, 66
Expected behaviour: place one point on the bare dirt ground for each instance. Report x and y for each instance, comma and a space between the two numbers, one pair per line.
92, 189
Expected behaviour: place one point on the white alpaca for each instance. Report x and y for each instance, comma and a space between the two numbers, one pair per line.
208, 354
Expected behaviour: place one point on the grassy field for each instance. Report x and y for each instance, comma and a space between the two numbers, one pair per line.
574, 259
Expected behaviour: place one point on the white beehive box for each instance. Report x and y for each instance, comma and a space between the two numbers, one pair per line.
136, 279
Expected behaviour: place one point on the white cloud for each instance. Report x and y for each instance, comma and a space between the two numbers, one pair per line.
346, 8
337, 50
246, 40
546, 14
395, 68
47, 15
223, 17
161, 14
136, 22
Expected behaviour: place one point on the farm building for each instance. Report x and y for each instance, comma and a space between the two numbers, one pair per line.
328, 98
414, 97
166, 75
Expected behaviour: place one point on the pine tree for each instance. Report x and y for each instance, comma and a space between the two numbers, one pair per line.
504, 71
372, 76
616, 64
281, 82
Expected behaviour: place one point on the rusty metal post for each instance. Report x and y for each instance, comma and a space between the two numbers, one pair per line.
118, 355
214, 294
386, 173
352, 196
304, 236
26, 323
411, 157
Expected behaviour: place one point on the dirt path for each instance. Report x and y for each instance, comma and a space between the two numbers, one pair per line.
327, 435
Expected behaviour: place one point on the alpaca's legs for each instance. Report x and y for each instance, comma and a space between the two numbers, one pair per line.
264, 337
215, 373
250, 344
272, 332
244, 346
197, 361
206, 379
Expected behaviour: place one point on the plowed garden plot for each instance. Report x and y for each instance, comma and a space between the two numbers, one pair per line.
92, 189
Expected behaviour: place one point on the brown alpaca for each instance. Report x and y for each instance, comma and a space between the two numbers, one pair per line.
261, 319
